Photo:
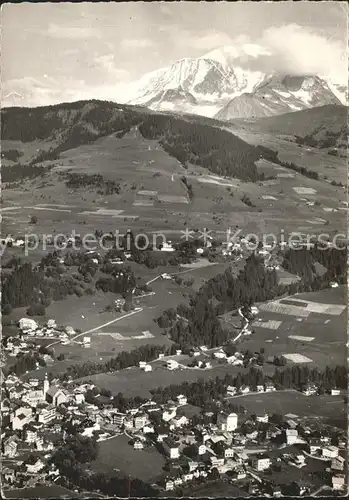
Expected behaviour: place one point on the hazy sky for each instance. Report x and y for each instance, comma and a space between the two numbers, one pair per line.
57, 52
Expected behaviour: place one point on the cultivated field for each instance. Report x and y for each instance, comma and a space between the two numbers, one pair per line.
294, 403
135, 382
117, 455
153, 198
319, 336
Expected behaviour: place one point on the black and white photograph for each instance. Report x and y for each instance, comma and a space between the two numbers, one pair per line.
174, 249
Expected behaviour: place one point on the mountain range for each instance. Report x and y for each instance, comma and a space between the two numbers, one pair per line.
215, 86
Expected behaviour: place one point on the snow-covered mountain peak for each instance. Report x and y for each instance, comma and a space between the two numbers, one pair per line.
230, 56
211, 82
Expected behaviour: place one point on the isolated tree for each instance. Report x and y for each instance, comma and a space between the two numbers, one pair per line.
6, 309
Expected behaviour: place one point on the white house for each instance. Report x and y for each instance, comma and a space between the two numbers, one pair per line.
260, 388
192, 465
335, 392
338, 482
220, 354
10, 446
261, 462
88, 431
148, 368
244, 389
187, 477
310, 390
237, 362
300, 461
229, 453
21, 417
314, 446
140, 421
27, 324
231, 391
201, 449
138, 445
291, 436
252, 435
269, 387
182, 400
170, 448
167, 247
169, 485
263, 418
36, 467
169, 414
51, 323
227, 422
330, 451
148, 429
338, 463
46, 414
172, 364
30, 435
231, 359
180, 421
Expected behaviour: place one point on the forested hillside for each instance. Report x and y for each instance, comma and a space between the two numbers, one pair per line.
70, 125
321, 127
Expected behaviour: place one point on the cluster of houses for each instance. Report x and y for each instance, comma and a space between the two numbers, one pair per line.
220, 442
312, 389
29, 328
225, 445
32, 415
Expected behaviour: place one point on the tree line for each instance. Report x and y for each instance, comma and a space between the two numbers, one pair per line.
75, 180
301, 262
18, 172
124, 359
217, 150
202, 392
37, 286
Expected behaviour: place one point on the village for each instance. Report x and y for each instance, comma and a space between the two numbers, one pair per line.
243, 449
257, 452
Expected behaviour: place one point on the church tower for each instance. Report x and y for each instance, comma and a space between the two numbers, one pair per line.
46, 385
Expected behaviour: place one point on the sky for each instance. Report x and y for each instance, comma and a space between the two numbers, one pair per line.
64, 52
